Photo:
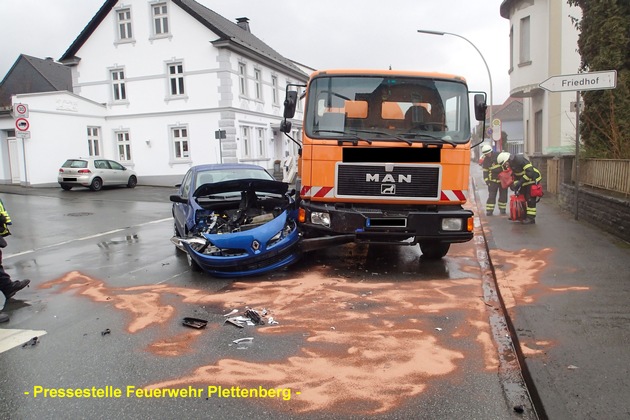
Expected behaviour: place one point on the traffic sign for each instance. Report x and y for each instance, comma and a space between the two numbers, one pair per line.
496, 129
596, 80
22, 124
23, 134
21, 110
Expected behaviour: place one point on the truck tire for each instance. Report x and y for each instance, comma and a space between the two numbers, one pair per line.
434, 250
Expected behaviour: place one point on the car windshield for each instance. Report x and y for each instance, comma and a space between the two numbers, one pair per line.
377, 108
213, 176
73, 163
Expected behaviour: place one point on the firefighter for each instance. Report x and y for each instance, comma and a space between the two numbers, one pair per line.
491, 170
7, 286
525, 175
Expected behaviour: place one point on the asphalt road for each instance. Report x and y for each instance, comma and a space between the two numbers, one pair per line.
363, 332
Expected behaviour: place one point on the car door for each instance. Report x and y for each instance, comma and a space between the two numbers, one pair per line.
116, 173
101, 169
181, 210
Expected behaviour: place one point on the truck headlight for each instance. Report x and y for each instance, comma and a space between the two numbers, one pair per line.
320, 218
452, 224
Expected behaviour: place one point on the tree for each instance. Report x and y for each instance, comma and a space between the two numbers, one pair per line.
604, 44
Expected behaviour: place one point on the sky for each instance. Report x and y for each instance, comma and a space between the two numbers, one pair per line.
374, 34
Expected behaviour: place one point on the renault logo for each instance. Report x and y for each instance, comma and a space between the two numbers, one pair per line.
255, 245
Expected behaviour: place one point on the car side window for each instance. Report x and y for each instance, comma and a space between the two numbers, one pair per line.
186, 184
115, 165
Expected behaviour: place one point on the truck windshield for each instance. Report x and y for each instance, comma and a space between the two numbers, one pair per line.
409, 109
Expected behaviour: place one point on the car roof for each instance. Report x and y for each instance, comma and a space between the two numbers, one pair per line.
222, 166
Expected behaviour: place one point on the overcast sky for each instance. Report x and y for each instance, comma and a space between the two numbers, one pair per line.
320, 34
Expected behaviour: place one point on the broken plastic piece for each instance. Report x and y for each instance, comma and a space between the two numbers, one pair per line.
234, 322
232, 312
195, 322
33, 341
106, 331
244, 339
271, 321
254, 316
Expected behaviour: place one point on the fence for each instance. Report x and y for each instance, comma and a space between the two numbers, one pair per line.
607, 174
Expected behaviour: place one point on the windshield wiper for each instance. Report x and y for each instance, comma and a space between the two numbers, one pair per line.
382, 133
437, 140
354, 139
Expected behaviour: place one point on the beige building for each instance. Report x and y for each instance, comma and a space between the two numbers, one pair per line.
543, 43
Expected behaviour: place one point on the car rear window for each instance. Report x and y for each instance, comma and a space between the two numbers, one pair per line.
74, 163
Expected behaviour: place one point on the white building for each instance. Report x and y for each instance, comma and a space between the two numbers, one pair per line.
155, 83
543, 43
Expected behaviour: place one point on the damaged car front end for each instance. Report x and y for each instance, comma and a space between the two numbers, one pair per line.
235, 227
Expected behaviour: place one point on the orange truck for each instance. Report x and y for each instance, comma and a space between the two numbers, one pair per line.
384, 158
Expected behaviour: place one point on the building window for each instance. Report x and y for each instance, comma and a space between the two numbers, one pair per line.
246, 141
160, 19
118, 85
94, 141
260, 134
179, 138
124, 24
258, 83
176, 79
274, 89
124, 146
242, 79
524, 56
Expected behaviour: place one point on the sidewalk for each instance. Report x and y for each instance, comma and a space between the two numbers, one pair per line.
566, 288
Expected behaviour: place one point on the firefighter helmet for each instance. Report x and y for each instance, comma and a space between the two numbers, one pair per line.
503, 157
486, 149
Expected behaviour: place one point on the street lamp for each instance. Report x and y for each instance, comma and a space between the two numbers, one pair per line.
422, 31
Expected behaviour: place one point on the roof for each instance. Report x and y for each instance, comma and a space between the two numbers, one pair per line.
230, 35
31, 75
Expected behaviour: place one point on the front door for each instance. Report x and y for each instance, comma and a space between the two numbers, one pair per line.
14, 161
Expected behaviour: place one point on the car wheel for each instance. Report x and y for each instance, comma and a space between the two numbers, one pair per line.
133, 181
434, 250
192, 264
66, 187
96, 184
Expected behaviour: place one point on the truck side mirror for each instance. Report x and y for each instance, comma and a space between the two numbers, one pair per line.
290, 102
480, 107
285, 126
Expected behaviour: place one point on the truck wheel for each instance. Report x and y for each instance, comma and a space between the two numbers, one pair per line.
434, 250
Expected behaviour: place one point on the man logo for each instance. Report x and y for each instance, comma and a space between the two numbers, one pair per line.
388, 189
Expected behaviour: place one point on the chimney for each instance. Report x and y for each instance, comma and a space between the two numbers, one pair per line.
243, 23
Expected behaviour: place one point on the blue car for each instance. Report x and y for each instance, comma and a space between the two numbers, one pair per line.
235, 220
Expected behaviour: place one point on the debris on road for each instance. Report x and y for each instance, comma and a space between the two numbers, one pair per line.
244, 339
33, 341
106, 331
194, 322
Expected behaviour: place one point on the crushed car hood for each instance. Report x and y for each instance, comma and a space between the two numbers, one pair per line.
258, 185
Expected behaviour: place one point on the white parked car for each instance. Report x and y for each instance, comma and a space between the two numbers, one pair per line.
94, 173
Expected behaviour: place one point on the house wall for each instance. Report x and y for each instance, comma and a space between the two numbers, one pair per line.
553, 51
211, 102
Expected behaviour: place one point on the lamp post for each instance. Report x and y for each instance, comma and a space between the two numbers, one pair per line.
441, 33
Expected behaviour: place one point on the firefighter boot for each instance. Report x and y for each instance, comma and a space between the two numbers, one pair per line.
529, 220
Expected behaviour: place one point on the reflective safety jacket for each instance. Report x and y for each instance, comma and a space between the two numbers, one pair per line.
5, 220
491, 169
523, 170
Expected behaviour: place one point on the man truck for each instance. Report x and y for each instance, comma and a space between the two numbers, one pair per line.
384, 158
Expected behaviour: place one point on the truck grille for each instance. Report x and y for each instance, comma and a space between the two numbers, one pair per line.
388, 181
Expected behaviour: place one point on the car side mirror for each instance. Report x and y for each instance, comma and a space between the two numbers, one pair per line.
178, 199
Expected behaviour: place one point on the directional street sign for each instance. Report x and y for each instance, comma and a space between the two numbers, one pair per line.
596, 80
